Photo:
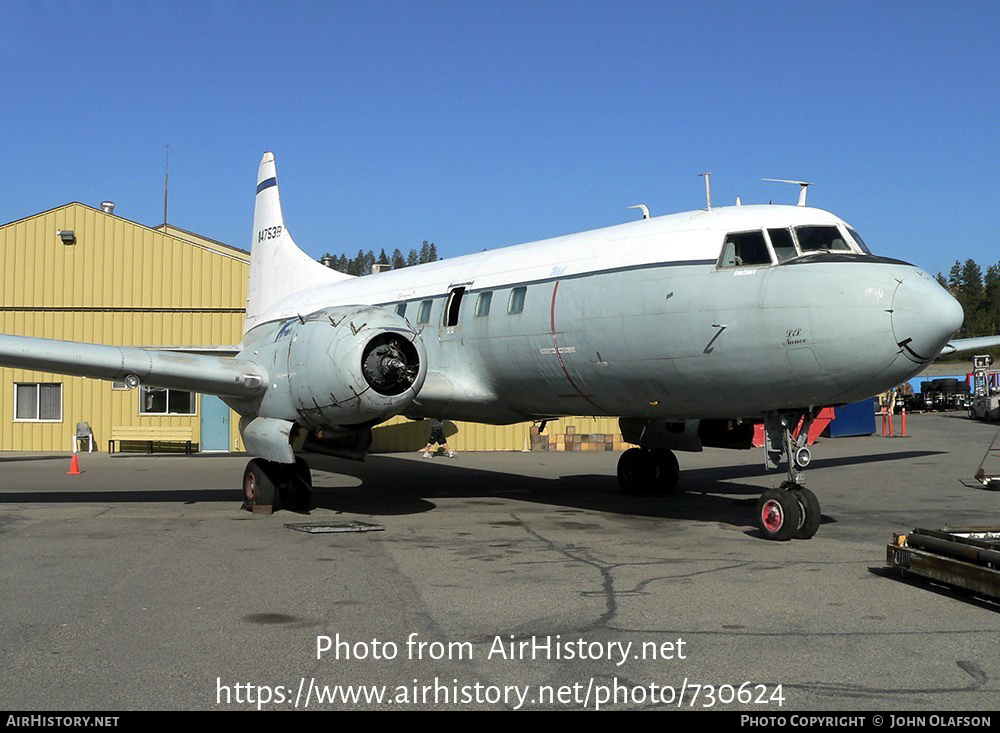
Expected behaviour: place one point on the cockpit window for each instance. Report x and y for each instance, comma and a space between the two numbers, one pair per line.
859, 241
783, 244
817, 238
744, 248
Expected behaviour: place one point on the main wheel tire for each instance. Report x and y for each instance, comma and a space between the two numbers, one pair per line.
258, 487
302, 471
668, 472
778, 514
300, 486
636, 471
811, 513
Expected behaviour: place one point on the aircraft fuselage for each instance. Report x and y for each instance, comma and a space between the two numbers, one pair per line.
645, 320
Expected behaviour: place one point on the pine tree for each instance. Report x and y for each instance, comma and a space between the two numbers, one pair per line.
970, 295
425, 252
991, 296
397, 259
954, 277
357, 265
432, 253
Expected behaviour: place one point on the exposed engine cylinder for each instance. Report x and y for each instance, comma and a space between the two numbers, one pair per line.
351, 366
390, 364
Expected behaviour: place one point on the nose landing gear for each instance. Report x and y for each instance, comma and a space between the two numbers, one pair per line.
791, 510
788, 513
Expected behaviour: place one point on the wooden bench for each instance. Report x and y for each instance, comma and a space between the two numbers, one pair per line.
149, 434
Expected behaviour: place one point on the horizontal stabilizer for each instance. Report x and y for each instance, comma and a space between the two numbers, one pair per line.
194, 372
974, 344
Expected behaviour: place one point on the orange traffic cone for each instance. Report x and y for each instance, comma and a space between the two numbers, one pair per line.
74, 467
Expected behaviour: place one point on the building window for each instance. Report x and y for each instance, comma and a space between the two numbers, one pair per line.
160, 401
516, 302
38, 401
483, 304
424, 314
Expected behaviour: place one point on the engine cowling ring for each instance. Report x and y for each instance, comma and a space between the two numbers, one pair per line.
353, 366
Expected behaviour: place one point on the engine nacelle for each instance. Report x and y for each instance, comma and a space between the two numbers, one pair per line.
342, 368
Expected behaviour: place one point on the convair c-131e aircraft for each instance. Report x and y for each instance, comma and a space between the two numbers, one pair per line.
687, 327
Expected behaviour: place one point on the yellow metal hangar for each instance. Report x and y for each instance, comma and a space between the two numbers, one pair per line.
79, 273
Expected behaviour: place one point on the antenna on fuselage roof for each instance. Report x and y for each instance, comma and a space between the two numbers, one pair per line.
645, 210
708, 189
803, 187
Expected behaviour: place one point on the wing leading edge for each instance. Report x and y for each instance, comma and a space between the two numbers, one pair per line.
194, 372
973, 344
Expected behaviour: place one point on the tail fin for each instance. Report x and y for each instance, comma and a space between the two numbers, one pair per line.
278, 268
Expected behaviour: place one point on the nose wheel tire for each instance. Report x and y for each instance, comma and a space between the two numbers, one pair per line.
811, 515
778, 514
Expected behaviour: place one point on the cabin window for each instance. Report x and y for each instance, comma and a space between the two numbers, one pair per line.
783, 244
483, 304
453, 307
38, 402
401, 310
742, 249
859, 241
424, 314
516, 302
818, 238
160, 401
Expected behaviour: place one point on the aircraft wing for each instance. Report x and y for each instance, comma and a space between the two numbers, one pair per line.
194, 372
973, 344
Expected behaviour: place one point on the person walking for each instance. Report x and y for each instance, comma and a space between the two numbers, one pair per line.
437, 436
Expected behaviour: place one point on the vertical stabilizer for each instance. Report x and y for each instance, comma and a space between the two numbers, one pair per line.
278, 268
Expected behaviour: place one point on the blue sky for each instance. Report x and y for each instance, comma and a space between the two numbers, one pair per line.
478, 124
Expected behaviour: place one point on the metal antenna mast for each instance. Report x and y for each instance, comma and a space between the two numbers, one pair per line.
166, 184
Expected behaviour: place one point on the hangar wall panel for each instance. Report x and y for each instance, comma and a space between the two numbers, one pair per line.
119, 283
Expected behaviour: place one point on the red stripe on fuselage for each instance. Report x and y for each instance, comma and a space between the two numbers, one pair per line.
555, 343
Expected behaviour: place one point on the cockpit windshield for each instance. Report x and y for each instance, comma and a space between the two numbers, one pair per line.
818, 238
744, 248
749, 248
859, 241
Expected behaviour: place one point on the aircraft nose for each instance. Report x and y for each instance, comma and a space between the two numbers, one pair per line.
924, 316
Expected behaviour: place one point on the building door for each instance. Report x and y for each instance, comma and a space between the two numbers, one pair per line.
214, 424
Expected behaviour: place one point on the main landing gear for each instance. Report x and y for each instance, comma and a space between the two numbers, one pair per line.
648, 471
269, 486
791, 511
